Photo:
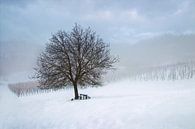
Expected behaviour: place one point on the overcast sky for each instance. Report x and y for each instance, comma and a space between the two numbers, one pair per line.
26, 24
121, 21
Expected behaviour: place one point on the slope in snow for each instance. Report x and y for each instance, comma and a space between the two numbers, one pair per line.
120, 105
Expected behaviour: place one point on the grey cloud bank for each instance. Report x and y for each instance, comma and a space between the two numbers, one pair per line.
31, 23
38, 19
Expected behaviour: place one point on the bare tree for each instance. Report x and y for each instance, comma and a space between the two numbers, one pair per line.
77, 58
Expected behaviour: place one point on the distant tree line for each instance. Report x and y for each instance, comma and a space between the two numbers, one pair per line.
179, 71
25, 88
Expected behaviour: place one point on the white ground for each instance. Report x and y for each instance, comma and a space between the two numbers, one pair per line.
120, 105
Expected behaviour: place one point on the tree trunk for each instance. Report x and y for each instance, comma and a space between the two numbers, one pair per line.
76, 91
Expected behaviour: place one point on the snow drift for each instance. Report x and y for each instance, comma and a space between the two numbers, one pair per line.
120, 105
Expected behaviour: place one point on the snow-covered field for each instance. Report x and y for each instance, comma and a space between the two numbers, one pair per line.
118, 105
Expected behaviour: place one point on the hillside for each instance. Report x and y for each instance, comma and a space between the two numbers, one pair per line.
118, 105
154, 52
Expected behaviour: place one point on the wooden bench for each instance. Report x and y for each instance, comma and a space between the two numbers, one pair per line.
82, 97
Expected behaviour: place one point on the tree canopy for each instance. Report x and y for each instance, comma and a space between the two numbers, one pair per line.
79, 57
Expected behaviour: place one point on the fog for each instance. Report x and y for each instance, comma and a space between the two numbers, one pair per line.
161, 50
141, 33
154, 78
18, 57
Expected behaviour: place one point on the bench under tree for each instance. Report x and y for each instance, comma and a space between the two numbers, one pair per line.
83, 97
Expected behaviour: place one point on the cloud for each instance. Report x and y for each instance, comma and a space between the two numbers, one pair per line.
105, 15
131, 14
125, 21
36, 20
183, 8
122, 16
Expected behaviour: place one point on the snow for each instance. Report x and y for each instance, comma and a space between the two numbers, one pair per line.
119, 105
